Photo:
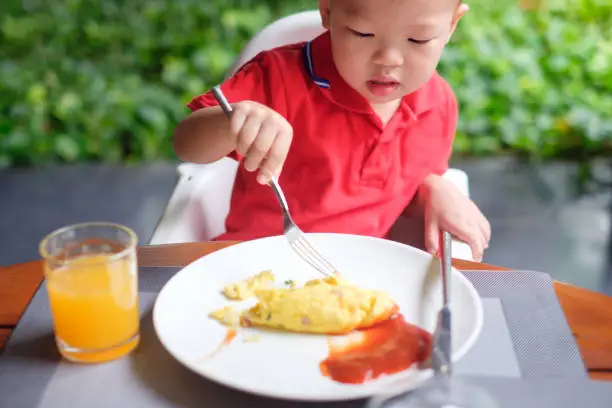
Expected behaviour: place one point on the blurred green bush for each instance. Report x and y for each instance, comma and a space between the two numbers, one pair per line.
85, 80
535, 82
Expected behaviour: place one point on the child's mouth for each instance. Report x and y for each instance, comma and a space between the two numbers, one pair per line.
382, 87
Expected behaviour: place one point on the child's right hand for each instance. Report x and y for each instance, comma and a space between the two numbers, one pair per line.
263, 137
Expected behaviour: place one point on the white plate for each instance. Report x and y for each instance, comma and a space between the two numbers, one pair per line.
286, 365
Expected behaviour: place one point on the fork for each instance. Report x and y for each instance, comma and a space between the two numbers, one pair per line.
295, 236
441, 359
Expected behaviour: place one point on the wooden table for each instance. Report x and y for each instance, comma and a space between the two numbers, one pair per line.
589, 313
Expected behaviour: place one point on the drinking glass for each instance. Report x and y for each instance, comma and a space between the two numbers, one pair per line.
92, 281
439, 392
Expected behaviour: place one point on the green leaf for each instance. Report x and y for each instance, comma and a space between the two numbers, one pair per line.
66, 148
154, 117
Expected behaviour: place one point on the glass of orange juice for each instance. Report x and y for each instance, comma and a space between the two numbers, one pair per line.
92, 281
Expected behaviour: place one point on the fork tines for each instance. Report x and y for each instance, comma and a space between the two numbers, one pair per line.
308, 253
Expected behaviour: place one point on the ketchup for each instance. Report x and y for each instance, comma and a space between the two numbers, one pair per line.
386, 348
229, 336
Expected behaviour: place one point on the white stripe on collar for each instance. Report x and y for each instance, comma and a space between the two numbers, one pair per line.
323, 83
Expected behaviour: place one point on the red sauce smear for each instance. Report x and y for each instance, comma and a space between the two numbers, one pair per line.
229, 336
386, 348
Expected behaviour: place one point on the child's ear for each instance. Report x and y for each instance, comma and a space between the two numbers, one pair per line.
461, 10
324, 10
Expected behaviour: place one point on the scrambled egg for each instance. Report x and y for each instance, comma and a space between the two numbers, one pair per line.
251, 338
325, 306
228, 316
247, 288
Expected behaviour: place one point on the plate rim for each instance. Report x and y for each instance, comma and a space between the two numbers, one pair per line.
366, 392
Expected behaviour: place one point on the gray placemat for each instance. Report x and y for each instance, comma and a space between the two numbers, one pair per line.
493, 354
542, 338
518, 393
512, 345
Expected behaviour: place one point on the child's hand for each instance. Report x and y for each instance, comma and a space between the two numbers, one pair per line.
448, 209
263, 137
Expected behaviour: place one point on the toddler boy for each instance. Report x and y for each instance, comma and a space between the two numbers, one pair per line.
356, 124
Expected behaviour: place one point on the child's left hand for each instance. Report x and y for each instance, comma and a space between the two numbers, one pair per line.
448, 209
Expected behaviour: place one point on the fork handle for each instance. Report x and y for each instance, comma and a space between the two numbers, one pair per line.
223, 102
446, 263
443, 335
280, 196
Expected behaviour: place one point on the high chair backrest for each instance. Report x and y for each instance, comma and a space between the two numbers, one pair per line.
294, 28
200, 201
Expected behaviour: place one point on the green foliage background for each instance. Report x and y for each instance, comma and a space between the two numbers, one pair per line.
87, 80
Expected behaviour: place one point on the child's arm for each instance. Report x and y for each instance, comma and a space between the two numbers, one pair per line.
255, 131
204, 136
447, 208
416, 208
443, 205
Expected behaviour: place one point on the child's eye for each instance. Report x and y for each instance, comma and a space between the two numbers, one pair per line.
420, 42
360, 34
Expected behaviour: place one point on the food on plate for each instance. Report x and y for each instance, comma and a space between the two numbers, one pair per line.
251, 338
247, 288
326, 306
387, 348
370, 338
228, 316
230, 335
291, 283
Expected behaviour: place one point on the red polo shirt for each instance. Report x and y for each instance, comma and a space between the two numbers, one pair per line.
345, 172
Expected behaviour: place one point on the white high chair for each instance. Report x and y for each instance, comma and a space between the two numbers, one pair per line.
200, 202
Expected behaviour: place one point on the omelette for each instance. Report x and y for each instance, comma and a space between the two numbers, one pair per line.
247, 288
324, 306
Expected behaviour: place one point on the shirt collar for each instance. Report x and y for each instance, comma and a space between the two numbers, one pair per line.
319, 65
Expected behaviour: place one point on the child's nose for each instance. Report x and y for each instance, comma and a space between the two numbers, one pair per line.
388, 56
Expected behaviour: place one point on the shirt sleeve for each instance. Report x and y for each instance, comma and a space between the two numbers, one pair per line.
259, 80
451, 119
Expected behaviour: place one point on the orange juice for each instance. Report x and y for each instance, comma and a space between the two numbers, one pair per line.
94, 303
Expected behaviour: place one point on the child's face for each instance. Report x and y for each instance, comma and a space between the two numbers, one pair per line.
386, 49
